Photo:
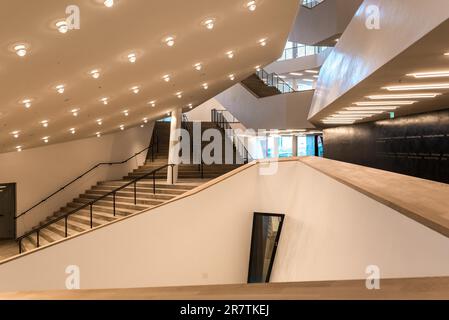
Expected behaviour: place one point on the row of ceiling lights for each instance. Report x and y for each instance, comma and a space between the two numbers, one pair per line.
22, 49
382, 103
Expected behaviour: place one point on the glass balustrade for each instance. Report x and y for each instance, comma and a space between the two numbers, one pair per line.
300, 50
311, 3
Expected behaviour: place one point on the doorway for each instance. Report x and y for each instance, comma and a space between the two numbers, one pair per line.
7, 211
267, 229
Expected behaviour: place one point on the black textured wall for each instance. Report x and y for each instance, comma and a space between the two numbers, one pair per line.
416, 145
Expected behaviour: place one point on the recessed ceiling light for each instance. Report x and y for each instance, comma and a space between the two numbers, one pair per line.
198, 66
435, 74
373, 108
126, 113
15, 134
19, 148
312, 71
179, 94
44, 123
99, 122
190, 106
60, 88
360, 112
135, 89
316, 76
296, 74
142, 125
263, 42
26, 103
168, 113
231, 77
170, 41
404, 96
98, 134
205, 86
251, 5
21, 50
109, 3
95, 73
46, 139
105, 100
446, 54
418, 87
384, 103
308, 80
145, 120
122, 127
62, 26
152, 103
166, 78
257, 68
209, 23
132, 57
230, 54
75, 112
72, 130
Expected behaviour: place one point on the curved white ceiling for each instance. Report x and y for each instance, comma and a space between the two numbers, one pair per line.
104, 40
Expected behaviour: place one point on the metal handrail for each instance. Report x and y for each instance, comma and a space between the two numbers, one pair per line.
92, 169
274, 80
91, 204
219, 119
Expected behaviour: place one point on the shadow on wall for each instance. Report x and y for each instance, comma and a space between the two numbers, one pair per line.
416, 145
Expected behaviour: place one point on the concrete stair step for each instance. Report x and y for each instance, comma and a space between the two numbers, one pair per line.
147, 184
130, 193
124, 211
118, 204
122, 199
159, 191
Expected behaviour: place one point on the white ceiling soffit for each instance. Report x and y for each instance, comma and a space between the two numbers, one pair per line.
103, 42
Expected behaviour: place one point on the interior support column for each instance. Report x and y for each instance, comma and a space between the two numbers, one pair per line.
173, 157
295, 146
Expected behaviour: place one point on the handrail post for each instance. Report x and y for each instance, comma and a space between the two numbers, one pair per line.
202, 170
154, 182
152, 152
91, 216
65, 226
135, 193
172, 171
37, 238
113, 203
20, 245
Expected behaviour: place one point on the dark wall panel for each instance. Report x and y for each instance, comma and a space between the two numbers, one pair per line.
416, 145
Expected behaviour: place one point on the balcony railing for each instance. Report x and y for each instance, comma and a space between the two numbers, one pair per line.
311, 3
299, 51
273, 80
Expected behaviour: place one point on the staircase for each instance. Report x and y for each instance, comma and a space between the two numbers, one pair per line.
185, 171
189, 177
263, 84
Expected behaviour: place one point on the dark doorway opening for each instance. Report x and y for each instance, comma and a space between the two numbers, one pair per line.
7, 211
267, 229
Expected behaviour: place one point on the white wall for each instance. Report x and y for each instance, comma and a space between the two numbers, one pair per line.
41, 171
361, 51
324, 21
203, 111
330, 232
299, 64
283, 111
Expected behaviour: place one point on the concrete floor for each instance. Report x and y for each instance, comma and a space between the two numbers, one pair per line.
8, 249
